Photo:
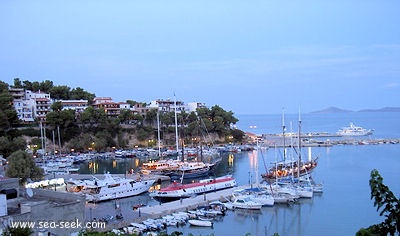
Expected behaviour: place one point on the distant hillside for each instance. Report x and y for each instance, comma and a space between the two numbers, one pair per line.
385, 109
339, 110
332, 110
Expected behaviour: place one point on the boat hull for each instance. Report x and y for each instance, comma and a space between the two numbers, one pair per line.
177, 191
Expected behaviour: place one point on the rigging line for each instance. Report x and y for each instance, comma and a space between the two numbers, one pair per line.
265, 164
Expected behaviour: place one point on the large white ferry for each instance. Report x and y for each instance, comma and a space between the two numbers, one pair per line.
111, 187
177, 190
353, 130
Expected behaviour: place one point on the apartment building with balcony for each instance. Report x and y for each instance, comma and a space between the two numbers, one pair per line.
111, 108
77, 105
169, 106
30, 105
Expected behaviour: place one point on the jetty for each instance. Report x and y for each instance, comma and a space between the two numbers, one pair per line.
321, 139
185, 204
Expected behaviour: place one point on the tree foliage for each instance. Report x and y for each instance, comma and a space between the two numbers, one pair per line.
21, 165
9, 145
95, 126
12, 231
58, 92
8, 115
386, 201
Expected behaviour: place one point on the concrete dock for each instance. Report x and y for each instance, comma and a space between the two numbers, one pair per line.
163, 209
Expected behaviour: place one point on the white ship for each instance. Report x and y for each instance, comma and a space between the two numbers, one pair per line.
111, 187
353, 130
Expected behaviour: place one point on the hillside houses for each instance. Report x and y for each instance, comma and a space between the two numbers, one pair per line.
34, 106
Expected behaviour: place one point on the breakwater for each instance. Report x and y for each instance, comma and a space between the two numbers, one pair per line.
322, 140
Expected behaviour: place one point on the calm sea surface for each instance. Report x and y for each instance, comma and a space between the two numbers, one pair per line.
343, 208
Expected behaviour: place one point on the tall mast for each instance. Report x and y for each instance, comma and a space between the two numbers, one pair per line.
176, 127
59, 137
283, 133
41, 136
299, 143
158, 132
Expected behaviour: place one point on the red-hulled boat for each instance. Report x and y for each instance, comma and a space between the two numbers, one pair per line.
177, 190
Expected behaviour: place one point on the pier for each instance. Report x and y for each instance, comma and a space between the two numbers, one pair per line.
185, 204
321, 140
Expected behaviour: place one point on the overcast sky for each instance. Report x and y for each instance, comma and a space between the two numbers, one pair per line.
249, 57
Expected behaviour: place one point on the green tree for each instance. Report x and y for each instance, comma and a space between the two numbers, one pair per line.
17, 231
138, 119
60, 92
151, 117
385, 200
125, 116
17, 83
131, 102
46, 86
21, 165
26, 84
35, 86
79, 93
8, 145
238, 135
8, 115
81, 143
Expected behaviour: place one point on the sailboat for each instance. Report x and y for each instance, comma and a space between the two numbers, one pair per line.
286, 169
176, 168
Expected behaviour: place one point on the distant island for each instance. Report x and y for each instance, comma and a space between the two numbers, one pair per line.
339, 110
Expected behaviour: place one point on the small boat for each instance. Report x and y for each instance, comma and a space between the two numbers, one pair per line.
256, 195
353, 130
202, 223
245, 203
176, 190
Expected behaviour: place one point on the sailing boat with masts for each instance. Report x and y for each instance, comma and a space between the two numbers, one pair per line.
287, 169
176, 168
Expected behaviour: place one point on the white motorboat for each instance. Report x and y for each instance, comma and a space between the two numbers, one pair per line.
353, 130
256, 195
244, 202
202, 223
111, 187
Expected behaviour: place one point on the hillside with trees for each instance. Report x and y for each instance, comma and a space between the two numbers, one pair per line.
93, 130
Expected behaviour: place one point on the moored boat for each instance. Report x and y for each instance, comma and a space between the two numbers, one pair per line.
202, 223
353, 130
111, 187
285, 169
177, 190
243, 202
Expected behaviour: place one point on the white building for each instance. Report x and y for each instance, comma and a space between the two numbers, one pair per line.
77, 105
30, 105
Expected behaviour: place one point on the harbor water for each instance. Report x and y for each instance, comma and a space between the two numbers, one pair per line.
343, 208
